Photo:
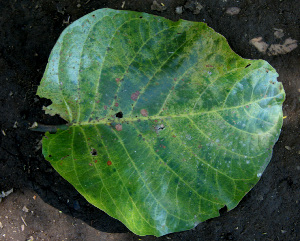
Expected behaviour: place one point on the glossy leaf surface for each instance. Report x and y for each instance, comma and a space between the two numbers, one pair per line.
168, 125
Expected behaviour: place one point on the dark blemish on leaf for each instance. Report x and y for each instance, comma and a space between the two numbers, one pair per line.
108, 49
174, 136
159, 128
98, 101
94, 152
95, 161
109, 163
141, 16
144, 112
209, 66
119, 115
116, 104
50, 156
175, 79
105, 107
247, 65
118, 127
135, 95
64, 157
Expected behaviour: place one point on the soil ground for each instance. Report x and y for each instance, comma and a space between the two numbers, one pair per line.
43, 206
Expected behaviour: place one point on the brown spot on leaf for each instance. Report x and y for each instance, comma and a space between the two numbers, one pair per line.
144, 112
118, 80
135, 95
105, 107
208, 66
118, 127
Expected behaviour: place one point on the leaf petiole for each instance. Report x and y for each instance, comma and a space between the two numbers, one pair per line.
47, 128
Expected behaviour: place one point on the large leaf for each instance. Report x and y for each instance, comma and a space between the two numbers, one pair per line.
167, 124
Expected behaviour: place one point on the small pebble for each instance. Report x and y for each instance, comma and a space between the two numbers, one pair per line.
233, 11
178, 10
278, 33
288, 148
25, 209
76, 205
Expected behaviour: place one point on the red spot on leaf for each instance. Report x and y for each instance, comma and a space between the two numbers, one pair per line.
98, 101
105, 107
95, 161
144, 112
118, 127
135, 95
116, 104
209, 66
90, 164
247, 106
109, 163
118, 80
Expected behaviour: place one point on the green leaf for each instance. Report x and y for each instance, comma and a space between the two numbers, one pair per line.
167, 124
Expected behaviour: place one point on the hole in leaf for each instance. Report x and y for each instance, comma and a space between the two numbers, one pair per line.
247, 65
141, 17
50, 155
223, 210
119, 114
94, 152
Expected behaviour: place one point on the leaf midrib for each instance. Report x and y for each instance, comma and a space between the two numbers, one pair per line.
161, 117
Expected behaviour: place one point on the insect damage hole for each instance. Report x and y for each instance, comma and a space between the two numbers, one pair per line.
119, 115
94, 152
247, 65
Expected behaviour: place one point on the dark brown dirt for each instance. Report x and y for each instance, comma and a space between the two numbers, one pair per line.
28, 32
